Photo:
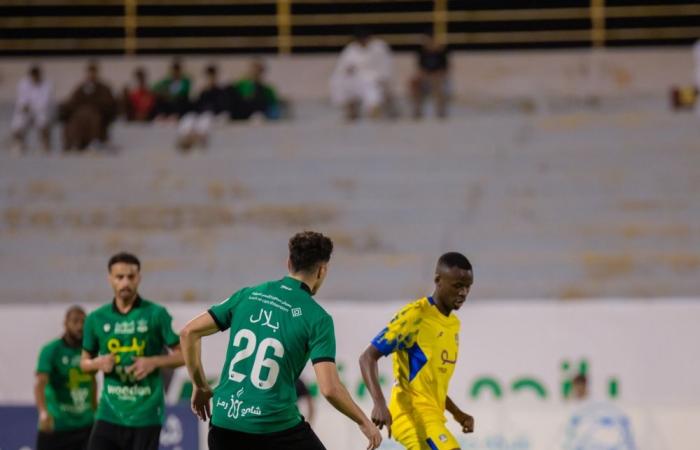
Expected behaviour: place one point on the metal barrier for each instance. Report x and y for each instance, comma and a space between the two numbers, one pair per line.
133, 26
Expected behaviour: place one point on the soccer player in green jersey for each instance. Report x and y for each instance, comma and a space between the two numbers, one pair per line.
125, 340
276, 327
65, 395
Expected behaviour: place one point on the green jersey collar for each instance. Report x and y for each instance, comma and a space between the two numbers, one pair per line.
303, 286
136, 304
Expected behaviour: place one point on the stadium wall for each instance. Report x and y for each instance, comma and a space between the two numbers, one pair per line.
512, 373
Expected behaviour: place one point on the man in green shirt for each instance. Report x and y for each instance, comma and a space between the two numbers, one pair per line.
65, 395
125, 340
276, 327
172, 93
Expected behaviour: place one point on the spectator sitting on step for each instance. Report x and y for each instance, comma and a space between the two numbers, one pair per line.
252, 95
213, 101
139, 101
88, 113
172, 94
33, 109
361, 80
431, 77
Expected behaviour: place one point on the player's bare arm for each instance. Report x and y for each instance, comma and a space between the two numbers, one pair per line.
45, 419
463, 419
93, 393
370, 373
144, 365
90, 364
337, 395
191, 345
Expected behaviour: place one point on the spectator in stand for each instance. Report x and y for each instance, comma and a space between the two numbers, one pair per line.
431, 78
33, 109
252, 95
88, 113
172, 94
361, 80
579, 387
194, 127
139, 100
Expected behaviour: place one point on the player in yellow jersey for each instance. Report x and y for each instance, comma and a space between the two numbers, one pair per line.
424, 338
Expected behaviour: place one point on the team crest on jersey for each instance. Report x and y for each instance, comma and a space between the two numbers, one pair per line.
107, 327
443, 438
142, 326
296, 312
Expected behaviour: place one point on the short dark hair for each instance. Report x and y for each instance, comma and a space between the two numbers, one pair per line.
74, 309
211, 69
307, 249
454, 259
123, 257
35, 71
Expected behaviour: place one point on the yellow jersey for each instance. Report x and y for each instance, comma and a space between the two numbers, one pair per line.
424, 343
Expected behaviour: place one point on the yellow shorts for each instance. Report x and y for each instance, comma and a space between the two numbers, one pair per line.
428, 434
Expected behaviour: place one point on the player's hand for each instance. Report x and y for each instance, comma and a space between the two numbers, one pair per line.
200, 402
381, 416
105, 363
141, 367
373, 435
465, 420
45, 422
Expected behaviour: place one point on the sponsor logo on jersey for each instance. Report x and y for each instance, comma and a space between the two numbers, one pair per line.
234, 407
296, 312
125, 327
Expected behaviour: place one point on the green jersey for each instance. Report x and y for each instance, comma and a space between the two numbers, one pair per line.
144, 331
276, 328
68, 393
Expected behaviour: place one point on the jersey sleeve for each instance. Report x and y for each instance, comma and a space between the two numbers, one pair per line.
401, 332
90, 341
322, 341
222, 313
45, 360
170, 337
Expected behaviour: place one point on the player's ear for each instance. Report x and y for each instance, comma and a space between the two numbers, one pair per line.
437, 279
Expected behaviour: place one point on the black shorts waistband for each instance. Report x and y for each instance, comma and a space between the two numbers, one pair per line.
302, 424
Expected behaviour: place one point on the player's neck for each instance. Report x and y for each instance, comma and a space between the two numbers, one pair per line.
68, 339
438, 304
300, 276
124, 306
